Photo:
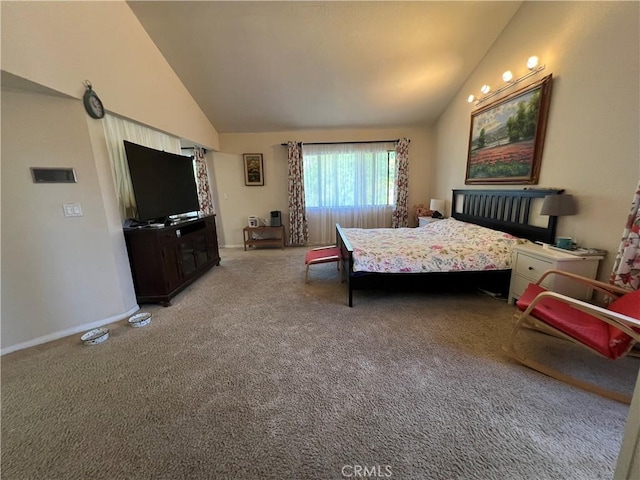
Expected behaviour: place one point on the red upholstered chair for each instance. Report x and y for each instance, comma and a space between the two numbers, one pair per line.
609, 332
323, 255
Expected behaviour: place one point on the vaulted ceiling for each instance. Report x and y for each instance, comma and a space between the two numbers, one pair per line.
278, 66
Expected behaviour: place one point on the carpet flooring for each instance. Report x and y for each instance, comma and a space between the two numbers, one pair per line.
253, 374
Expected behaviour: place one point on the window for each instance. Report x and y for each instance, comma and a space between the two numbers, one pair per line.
349, 175
352, 184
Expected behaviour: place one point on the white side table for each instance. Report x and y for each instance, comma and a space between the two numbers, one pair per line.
530, 261
422, 221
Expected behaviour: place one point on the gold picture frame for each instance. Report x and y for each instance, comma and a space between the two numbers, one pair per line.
507, 136
253, 169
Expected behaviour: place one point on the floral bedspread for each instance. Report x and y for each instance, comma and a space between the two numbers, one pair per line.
443, 246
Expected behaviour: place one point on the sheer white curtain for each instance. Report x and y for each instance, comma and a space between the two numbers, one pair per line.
350, 184
116, 130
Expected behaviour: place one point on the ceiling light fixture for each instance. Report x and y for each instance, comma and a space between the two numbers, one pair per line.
532, 65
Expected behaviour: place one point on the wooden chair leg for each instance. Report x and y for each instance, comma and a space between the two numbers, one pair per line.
339, 268
551, 372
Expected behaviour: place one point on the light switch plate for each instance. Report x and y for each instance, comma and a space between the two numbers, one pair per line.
72, 209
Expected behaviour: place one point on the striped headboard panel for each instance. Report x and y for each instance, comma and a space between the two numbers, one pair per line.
505, 210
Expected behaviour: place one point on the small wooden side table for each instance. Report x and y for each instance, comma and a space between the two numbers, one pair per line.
253, 236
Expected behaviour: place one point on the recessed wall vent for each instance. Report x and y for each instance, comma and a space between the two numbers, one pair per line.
53, 175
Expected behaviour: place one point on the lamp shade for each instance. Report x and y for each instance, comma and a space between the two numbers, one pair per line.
558, 205
437, 205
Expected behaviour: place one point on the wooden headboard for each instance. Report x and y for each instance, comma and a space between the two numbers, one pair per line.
505, 210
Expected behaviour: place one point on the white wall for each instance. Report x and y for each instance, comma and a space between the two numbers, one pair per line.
591, 148
59, 274
61, 44
628, 464
237, 201
63, 275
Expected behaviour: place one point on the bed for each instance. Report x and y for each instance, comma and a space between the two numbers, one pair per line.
369, 260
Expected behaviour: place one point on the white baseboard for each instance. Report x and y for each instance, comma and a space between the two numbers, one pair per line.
69, 331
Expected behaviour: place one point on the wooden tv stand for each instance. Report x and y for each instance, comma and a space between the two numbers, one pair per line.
166, 260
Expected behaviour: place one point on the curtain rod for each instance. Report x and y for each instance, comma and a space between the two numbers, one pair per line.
343, 143
192, 148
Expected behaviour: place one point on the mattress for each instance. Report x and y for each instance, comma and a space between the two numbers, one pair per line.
445, 246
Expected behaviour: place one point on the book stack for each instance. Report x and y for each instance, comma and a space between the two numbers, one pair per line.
581, 251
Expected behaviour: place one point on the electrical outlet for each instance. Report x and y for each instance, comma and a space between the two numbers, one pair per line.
72, 209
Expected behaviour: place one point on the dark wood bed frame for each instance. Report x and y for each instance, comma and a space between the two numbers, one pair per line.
505, 210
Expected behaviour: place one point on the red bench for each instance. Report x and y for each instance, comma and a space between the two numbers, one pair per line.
323, 255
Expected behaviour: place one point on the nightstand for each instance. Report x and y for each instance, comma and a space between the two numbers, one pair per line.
530, 261
422, 221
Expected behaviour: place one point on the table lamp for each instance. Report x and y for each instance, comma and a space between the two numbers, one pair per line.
437, 205
556, 206
559, 205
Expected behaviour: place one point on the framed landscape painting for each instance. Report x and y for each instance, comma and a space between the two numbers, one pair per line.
253, 171
506, 137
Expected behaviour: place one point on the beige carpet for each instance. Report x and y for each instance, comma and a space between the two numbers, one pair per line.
253, 374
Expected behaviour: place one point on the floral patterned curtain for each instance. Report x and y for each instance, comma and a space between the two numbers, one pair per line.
202, 182
400, 215
626, 269
298, 228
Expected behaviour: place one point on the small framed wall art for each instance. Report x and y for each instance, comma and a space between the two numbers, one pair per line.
253, 169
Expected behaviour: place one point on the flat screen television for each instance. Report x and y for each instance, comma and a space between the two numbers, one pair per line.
163, 183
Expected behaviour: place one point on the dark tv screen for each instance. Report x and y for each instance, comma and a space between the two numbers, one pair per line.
163, 183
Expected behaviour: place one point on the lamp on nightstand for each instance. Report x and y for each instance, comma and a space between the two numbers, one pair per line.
437, 205
559, 205
556, 206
